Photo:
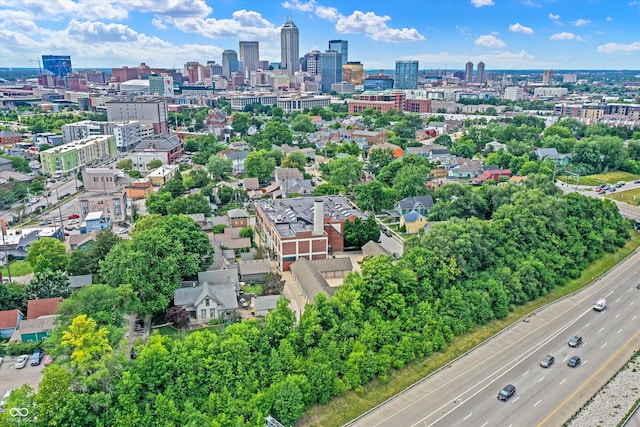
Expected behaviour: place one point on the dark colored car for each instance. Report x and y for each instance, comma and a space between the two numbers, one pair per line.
574, 361
73, 216
508, 391
547, 361
575, 341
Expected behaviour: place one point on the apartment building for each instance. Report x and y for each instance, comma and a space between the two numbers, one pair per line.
68, 158
105, 191
149, 110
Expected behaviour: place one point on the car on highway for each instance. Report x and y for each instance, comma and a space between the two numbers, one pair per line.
508, 391
638, 286
573, 361
600, 305
73, 216
575, 341
637, 181
21, 361
547, 361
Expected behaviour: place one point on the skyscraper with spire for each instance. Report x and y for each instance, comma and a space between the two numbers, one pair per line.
289, 47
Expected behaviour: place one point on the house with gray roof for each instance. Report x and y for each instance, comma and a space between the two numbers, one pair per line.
420, 204
77, 282
282, 174
215, 292
261, 305
553, 155
333, 267
309, 280
372, 248
255, 270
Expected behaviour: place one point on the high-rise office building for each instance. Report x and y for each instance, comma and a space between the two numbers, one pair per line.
468, 72
312, 63
194, 72
480, 77
289, 47
331, 69
342, 47
213, 69
406, 75
229, 62
161, 85
353, 72
58, 65
263, 65
547, 77
249, 53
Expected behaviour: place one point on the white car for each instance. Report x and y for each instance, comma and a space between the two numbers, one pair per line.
121, 230
1, 359
21, 361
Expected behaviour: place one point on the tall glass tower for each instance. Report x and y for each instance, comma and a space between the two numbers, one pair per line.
468, 72
229, 62
406, 75
331, 69
480, 77
289, 47
250, 55
342, 47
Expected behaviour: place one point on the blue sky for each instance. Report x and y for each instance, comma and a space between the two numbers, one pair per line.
505, 34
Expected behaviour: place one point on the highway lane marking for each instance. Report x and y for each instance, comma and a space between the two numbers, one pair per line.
525, 373
603, 345
538, 402
540, 379
610, 280
601, 329
634, 318
484, 424
587, 325
631, 303
562, 381
515, 400
619, 331
597, 372
565, 359
618, 300
466, 418
584, 363
617, 315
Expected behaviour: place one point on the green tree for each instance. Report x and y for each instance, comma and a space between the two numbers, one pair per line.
47, 254
154, 164
302, 123
410, 181
125, 165
219, 167
240, 123
157, 203
345, 171
79, 263
259, 165
49, 284
87, 342
327, 189
200, 177
378, 158
296, 159
191, 204
275, 132
54, 395
175, 186
375, 196
273, 284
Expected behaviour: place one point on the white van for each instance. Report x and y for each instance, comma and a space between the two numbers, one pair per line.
600, 305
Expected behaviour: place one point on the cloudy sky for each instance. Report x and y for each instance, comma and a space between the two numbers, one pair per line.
505, 34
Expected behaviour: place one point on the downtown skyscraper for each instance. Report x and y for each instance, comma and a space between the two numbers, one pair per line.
249, 53
406, 75
342, 47
289, 47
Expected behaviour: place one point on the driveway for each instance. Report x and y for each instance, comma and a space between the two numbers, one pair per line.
12, 378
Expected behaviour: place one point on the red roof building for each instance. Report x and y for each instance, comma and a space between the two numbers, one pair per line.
43, 307
492, 175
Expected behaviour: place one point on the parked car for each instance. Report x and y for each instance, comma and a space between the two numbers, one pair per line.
122, 230
508, 391
48, 359
573, 361
21, 361
36, 358
73, 216
5, 400
575, 341
547, 361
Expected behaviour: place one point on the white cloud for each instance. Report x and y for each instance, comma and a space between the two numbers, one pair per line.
297, 5
519, 28
531, 3
609, 19
566, 36
490, 41
581, 22
375, 27
610, 48
244, 24
554, 17
481, 3
327, 13
158, 23
99, 32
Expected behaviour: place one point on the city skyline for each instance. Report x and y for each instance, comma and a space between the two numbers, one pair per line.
516, 34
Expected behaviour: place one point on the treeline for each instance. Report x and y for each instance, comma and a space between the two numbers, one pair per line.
461, 274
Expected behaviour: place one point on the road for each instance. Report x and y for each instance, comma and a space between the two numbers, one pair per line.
626, 210
464, 392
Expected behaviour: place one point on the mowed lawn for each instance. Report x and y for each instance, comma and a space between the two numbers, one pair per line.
18, 268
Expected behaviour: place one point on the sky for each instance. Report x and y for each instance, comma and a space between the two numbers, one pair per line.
440, 34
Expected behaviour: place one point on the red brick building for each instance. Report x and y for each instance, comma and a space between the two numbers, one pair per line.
304, 227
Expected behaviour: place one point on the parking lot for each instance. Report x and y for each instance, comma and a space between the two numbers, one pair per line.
12, 378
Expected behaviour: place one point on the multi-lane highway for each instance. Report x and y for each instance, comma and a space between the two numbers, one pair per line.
464, 392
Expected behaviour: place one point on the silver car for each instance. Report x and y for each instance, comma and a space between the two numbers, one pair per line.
21, 361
